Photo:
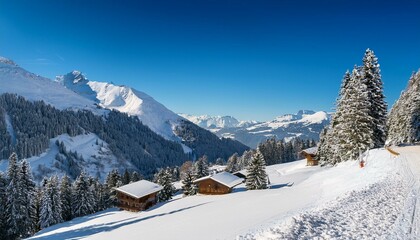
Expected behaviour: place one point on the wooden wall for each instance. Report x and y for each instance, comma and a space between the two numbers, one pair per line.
209, 186
129, 203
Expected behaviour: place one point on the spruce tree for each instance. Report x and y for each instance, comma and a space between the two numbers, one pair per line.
233, 163
46, 212
135, 177
51, 206
256, 175
164, 178
28, 198
404, 118
3, 226
82, 196
126, 178
371, 77
201, 167
38, 199
112, 181
188, 186
66, 198
355, 127
15, 222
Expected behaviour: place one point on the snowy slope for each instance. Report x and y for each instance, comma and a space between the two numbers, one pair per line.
357, 203
306, 124
125, 99
97, 161
14, 79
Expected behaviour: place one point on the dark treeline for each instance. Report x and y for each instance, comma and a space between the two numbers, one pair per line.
206, 143
274, 151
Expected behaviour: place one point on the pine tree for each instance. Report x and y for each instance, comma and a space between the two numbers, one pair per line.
3, 226
28, 201
46, 213
371, 77
164, 178
51, 206
404, 118
66, 198
135, 177
126, 178
245, 159
201, 167
113, 180
233, 163
354, 129
82, 197
256, 175
38, 199
14, 214
220, 161
188, 186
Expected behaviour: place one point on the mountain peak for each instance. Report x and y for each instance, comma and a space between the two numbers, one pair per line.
77, 82
73, 77
305, 112
7, 61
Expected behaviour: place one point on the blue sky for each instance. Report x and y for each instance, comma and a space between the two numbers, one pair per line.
249, 59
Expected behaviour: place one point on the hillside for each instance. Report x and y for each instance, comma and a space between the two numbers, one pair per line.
302, 203
135, 131
153, 114
306, 124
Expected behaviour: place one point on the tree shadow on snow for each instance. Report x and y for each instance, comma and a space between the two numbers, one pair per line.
277, 186
106, 227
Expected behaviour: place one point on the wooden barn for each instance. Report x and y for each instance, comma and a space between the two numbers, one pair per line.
220, 183
137, 196
310, 154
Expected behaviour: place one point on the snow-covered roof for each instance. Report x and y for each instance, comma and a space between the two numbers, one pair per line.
312, 150
243, 172
225, 178
140, 188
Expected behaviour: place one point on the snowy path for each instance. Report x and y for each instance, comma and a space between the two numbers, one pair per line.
388, 209
408, 225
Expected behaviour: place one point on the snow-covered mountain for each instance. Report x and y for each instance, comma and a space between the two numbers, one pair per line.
14, 79
215, 122
305, 124
31, 128
127, 100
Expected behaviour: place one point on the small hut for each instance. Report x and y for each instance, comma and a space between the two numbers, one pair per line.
137, 196
310, 154
220, 183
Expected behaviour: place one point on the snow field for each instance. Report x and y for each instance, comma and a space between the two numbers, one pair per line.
338, 202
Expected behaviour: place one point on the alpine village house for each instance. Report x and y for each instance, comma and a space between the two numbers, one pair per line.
220, 183
137, 196
310, 154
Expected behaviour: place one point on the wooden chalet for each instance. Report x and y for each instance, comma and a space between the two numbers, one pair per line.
220, 183
137, 196
310, 154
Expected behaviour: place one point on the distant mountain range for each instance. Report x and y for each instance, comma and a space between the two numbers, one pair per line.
172, 139
306, 124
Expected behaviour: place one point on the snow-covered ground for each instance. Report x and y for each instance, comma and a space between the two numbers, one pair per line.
342, 202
